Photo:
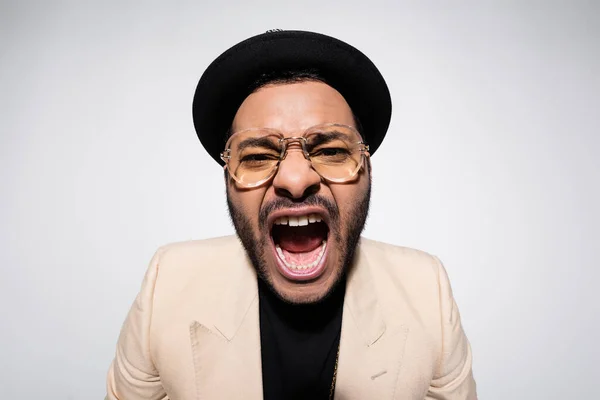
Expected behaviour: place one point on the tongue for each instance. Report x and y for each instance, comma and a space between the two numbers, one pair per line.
301, 245
300, 239
304, 258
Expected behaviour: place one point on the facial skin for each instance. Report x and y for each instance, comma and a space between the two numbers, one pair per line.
291, 109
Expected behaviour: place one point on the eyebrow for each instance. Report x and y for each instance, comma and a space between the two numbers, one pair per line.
323, 138
257, 142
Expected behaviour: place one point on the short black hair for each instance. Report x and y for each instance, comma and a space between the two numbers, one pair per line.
286, 77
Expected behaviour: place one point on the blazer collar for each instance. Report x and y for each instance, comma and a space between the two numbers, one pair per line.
226, 345
236, 299
361, 299
371, 350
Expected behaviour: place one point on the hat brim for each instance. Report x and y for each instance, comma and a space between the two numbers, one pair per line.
229, 78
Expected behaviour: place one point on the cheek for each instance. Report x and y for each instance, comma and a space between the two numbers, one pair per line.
248, 202
347, 196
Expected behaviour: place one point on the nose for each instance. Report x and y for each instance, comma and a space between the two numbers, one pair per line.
295, 177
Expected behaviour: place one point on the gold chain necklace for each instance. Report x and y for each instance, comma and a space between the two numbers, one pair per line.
332, 389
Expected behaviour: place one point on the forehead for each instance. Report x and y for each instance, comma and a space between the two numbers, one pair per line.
294, 107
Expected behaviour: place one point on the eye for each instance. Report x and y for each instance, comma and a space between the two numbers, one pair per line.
331, 152
258, 159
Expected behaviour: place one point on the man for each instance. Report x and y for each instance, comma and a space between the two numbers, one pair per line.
302, 308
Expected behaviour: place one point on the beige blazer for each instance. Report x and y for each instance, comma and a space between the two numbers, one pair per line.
193, 330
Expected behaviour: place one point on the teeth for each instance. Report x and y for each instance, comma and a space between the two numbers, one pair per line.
298, 221
293, 266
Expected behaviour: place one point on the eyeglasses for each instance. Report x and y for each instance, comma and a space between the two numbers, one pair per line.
336, 152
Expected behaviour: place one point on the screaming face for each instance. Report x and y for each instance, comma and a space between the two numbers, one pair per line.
299, 230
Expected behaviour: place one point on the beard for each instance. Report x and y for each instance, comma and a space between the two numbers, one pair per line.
346, 238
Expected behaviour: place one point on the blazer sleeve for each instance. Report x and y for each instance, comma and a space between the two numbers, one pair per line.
453, 378
132, 374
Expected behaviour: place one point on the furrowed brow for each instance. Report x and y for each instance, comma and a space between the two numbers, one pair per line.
258, 142
317, 139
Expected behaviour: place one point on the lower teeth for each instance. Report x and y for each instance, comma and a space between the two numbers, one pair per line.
295, 267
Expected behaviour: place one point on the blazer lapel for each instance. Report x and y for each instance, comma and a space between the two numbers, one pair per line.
371, 351
226, 350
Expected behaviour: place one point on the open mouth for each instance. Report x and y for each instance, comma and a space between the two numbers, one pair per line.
300, 244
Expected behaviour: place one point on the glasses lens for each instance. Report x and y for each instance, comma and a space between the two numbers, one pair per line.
335, 151
254, 154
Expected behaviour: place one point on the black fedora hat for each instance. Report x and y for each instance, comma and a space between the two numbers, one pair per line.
228, 81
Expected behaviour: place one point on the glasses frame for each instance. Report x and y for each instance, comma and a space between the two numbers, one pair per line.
284, 142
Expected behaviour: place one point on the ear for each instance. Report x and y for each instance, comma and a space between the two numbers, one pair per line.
368, 164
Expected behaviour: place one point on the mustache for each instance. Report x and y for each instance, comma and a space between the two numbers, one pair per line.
286, 203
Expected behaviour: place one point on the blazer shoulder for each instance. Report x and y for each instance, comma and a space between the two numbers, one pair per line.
399, 259
202, 244
206, 250
405, 279
205, 262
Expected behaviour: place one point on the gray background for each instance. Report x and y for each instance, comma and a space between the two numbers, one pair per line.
491, 163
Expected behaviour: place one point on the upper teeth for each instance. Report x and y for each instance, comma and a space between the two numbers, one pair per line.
301, 220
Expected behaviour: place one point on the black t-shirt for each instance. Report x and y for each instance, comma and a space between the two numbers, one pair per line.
299, 345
